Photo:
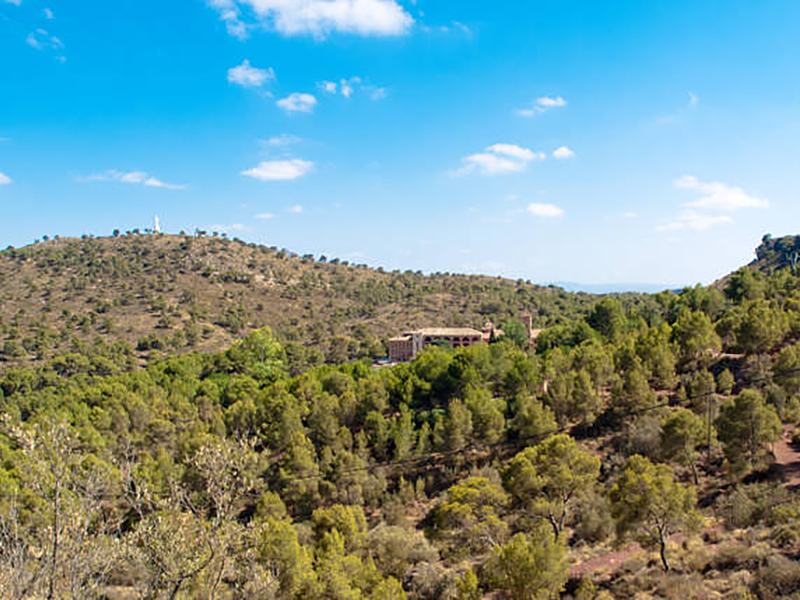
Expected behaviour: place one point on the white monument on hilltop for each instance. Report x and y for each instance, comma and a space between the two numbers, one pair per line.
156, 226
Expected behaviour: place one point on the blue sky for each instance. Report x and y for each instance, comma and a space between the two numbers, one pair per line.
600, 142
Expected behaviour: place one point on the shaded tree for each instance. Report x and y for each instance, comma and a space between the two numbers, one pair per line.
647, 499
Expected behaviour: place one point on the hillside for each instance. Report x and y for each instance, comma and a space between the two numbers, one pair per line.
168, 293
642, 449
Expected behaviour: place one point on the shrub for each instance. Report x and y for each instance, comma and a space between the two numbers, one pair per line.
779, 578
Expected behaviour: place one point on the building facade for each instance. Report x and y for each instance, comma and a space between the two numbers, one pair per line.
407, 346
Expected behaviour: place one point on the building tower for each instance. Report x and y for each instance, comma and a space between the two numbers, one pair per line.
527, 320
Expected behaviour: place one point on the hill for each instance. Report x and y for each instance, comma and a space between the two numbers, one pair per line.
638, 451
174, 293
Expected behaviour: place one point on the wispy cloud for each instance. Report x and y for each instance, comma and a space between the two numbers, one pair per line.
696, 221
296, 209
265, 216
48, 14
542, 105
719, 196
329, 87
4, 179
44, 41
563, 153
318, 18
348, 87
298, 102
544, 210
227, 229
249, 76
281, 141
14, 2
132, 178
280, 170
691, 104
714, 198
499, 159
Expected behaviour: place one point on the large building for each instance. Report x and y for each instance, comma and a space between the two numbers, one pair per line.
408, 345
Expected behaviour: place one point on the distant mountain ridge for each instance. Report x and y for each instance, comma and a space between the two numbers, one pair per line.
616, 288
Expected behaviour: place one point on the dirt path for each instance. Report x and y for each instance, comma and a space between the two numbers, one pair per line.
607, 562
787, 456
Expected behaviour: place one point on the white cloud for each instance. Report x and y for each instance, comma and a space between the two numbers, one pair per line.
48, 14
514, 151
500, 159
133, 178
345, 88
296, 209
351, 86
279, 170
462, 27
329, 87
14, 2
541, 105
719, 196
4, 179
378, 93
157, 183
318, 18
298, 102
545, 210
41, 39
696, 221
279, 141
248, 76
265, 216
562, 153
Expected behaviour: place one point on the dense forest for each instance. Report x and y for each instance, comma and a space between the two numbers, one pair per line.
645, 447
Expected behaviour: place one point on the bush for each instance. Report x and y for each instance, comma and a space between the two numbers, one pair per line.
397, 549
779, 578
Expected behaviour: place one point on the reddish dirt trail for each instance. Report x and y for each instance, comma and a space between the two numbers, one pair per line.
787, 456
605, 562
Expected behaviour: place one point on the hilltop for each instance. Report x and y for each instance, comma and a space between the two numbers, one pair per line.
174, 293
777, 253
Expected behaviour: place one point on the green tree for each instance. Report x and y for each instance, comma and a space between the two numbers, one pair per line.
488, 419
532, 419
694, 334
470, 514
725, 382
529, 567
744, 285
746, 424
761, 328
681, 433
787, 369
647, 499
549, 478
458, 425
608, 318
278, 549
516, 332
